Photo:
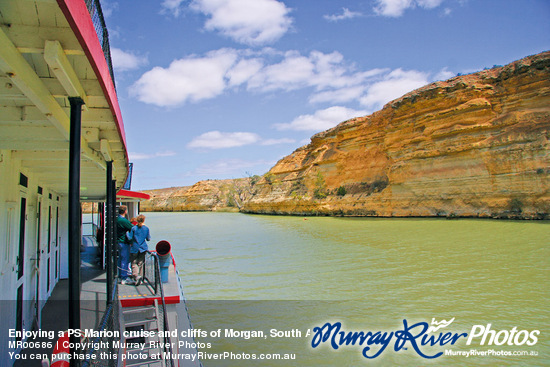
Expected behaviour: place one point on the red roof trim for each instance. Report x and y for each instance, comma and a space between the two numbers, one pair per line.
79, 19
133, 194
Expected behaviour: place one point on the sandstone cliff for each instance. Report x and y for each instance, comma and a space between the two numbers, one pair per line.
209, 195
474, 145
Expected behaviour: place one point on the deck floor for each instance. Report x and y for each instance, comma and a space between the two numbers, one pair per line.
131, 295
55, 315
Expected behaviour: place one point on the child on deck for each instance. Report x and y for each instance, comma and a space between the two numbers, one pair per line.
139, 235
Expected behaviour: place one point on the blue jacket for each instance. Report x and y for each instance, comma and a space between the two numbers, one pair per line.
139, 236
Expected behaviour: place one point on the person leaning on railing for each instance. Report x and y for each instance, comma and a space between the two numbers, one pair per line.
139, 235
123, 226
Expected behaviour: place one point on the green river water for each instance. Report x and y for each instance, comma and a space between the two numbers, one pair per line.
257, 273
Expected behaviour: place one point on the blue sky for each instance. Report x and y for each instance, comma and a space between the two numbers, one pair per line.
213, 89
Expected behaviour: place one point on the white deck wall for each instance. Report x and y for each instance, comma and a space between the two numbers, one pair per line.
8, 207
132, 208
35, 277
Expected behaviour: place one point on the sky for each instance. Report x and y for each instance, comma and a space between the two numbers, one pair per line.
221, 89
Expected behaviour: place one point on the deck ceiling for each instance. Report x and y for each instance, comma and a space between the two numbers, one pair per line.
42, 64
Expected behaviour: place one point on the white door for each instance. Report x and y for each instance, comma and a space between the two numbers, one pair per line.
48, 250
55, 232
37, 260
20, 322
8, 267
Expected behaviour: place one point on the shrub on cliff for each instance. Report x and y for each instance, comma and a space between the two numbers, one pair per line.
341, 191
318, 194
516, 206
320, 190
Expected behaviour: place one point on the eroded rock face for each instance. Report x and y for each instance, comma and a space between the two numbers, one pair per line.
474, 145
208, 195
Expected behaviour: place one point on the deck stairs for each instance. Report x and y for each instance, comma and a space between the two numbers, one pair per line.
146, 318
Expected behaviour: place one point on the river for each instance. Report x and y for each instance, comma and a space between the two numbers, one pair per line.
255, 272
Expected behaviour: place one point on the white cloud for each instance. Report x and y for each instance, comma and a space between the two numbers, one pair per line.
346, 14
189, 79
134, 156
321, 119
277, 141
392, 8
195, 78
393, 85
329, 70
220, 140
252, 22
444, 74
107, 8
318, 70
396, 8
330, 78
230, 166
124, 61
293, 72
243, 71
172, 6
341, 95
429, 4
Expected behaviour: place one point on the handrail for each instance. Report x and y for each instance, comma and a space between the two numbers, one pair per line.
110, 313
154, 283
96, 13
93, 227
167, 341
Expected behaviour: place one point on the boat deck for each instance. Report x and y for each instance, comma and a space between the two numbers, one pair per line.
55, 314
144, 294
93, 299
